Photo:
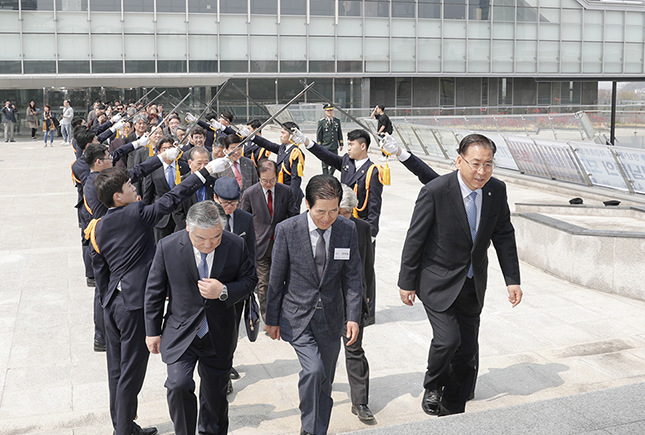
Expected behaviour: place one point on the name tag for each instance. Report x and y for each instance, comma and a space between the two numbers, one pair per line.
341, 254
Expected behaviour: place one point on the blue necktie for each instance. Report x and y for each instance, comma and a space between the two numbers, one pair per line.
321, 253
201, 194
203, 274
170, 176
471, 212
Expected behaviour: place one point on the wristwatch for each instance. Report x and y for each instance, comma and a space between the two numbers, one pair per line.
224, 294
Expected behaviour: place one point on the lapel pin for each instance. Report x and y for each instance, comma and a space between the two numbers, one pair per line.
488, 193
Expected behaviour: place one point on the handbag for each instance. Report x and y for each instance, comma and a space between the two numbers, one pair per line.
251, 317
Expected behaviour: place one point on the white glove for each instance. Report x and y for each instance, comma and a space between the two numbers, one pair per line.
116, 118
218, 165
216, 125
298, 138
190, 118
118, 126
389, 144
243, 131
170, 154
142, 141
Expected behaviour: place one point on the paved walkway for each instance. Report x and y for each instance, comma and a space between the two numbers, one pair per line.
562, 340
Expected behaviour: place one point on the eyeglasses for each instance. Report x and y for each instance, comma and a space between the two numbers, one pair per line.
110, 158
228, 203
477, 166
271, 181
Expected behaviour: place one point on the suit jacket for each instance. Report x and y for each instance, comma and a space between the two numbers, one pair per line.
139, 156
254, 202
439, 250
156, 186
243, 227
420, 168
179, 215
352, 176
96, 208
248, 171
174, 274
294, 285
127, 245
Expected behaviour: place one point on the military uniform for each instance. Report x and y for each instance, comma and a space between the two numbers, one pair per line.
329, 135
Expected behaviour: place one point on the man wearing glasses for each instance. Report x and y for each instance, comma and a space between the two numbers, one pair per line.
445, 262
270, 203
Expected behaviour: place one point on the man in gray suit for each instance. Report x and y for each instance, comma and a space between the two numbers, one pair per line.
315, 289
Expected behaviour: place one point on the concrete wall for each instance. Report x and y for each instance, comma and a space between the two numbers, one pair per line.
610, 261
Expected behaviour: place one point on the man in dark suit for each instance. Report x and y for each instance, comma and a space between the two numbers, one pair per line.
243, 169
329, 135
270, 203
445, 261
226, 192
161, 181
315, 287
123, 249
203, 271
198, 157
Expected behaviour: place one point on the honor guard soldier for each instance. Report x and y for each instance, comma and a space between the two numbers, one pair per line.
329, 135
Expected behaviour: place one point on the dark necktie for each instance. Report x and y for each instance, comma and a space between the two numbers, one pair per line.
203, 274
228, 223
270, 202
321, 253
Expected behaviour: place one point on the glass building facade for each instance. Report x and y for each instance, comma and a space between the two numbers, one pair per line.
400, 53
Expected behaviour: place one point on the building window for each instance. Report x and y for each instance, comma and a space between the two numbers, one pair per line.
170, 6
287, 66
139, 6
505, 92
40, 67
544, 93
171, 66
265, 7
105, 5
73, 67
139, 66
107, 66
70, 5
447, 92
203, 66
202, 6
293, 7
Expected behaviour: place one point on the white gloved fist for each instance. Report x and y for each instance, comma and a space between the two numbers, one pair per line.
298, 138
218, 165
190, 117
170, 154
243, 131
116, 118
142, 141
119, 125
389, 145
216, 125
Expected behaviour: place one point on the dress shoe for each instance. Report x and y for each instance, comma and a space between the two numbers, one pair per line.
234, 373
445, 411
363, 412
98, 346
431, 402
304, 432
138, 430
229, 387
91, 282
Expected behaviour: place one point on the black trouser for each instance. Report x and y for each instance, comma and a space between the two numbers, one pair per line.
33, 132
451, 360
127, 360
358, 369
214, 373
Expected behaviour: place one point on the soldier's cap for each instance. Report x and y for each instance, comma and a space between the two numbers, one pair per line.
226, 188
328, 106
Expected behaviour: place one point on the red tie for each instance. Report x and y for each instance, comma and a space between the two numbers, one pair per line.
238, 176
270, 202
